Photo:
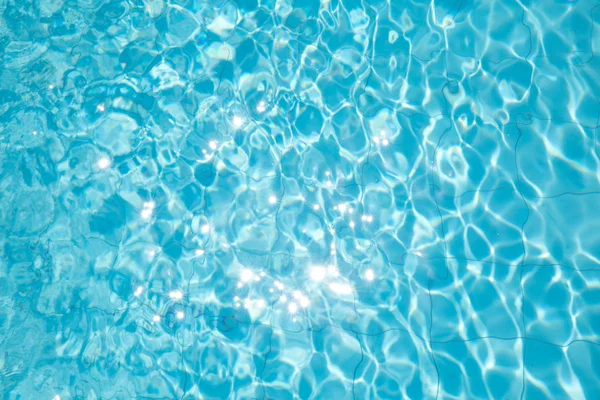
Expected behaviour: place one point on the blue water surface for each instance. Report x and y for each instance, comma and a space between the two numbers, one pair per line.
299, 199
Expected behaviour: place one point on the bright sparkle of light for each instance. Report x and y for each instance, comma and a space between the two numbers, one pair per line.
152, 253
147, 210
370, 275
317, 274
34, 133
138, 291
292, 308
340, 288
316, 207
52, 87
262, 106
279, 285
260, 303
146, 213
199, 252
297, 294
342, 208
273, 200
100, 108
213, 144
57, 397
257, 278
262, 273
103, 163
327, 173
240, 284
283, 299
238, 121
156, 318
205, 228
179, 315
246, 275
304, 302
352, 224
176, 295
382, 138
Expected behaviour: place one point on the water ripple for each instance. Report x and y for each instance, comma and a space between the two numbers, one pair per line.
299, 199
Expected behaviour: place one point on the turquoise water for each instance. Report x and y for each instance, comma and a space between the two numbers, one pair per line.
278, 199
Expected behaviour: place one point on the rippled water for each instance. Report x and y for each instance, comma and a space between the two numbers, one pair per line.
278, 199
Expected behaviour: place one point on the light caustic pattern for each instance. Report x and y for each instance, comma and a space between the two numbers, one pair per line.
299, 199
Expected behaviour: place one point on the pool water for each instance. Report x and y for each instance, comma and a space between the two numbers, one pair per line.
279, 199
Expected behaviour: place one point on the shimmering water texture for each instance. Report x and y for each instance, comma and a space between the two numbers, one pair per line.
277, 199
